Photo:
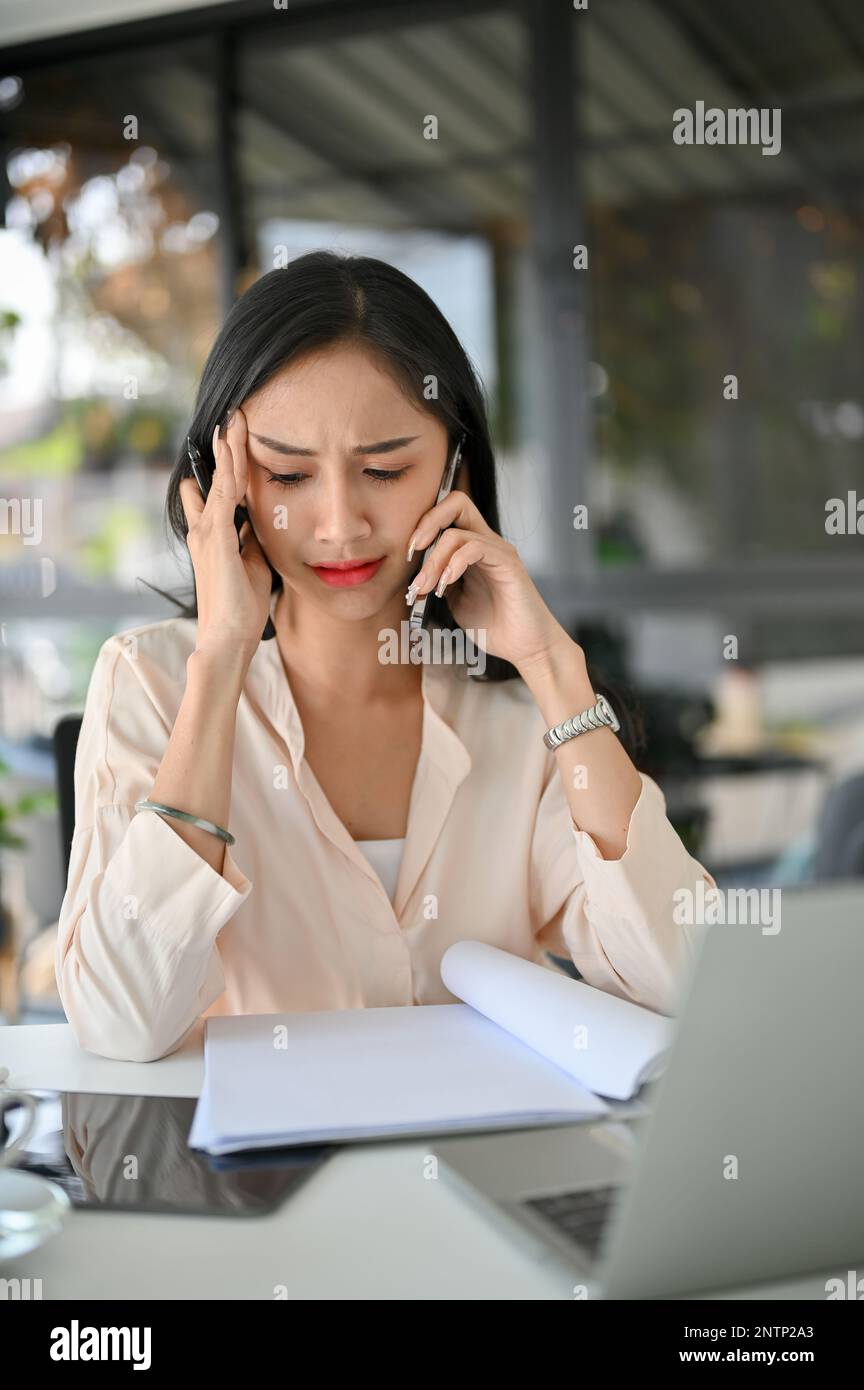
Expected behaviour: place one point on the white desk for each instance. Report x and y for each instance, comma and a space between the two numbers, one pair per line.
368, 1225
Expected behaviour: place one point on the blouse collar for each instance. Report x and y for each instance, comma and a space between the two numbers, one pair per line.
443, 764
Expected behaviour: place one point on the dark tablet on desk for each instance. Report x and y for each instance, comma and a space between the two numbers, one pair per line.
129, 1153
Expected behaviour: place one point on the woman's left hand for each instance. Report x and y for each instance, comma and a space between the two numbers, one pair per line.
496, 604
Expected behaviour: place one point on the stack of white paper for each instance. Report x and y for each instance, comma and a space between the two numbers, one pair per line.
528, 1047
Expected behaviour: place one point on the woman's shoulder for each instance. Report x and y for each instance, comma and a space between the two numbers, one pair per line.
153, 655
134, 692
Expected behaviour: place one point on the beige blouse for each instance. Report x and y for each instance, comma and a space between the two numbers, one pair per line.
151, 937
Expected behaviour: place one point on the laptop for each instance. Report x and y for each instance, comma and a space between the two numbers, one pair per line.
742, 1163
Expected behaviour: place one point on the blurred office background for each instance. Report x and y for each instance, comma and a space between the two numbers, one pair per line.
156, 158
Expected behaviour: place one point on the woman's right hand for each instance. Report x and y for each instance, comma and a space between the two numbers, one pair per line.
233, 585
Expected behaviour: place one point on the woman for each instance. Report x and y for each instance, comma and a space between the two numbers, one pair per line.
379, 810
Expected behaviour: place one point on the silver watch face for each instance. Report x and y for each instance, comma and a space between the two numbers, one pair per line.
608, 713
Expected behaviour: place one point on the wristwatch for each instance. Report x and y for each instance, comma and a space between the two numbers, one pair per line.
599, 716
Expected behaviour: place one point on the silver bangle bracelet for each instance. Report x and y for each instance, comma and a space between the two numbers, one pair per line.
599, 716
184, 815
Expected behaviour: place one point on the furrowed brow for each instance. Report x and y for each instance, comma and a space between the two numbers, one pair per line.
383, 446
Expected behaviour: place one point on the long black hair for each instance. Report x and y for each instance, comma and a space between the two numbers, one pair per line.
323, 298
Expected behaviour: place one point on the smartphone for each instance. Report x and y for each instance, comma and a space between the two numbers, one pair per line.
203, 477
86, 1143
418, 609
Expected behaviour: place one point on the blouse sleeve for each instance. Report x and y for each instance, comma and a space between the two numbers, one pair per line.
615, 918
136, 959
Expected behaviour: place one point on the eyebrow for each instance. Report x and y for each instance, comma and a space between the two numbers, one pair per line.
383, 446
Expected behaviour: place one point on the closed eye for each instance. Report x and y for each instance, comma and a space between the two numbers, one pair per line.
378, 475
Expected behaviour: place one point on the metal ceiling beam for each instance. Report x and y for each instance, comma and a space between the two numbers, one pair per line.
649, 74
479, 115
425, 207
303, 23
743, 80
304, 127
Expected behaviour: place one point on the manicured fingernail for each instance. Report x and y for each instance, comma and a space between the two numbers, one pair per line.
442, 582
411, 549
215, 437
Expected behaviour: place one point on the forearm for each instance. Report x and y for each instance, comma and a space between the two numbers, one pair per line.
195, 773
601, 783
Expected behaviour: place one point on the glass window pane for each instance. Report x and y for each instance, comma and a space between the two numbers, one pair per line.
109, 263
714, 261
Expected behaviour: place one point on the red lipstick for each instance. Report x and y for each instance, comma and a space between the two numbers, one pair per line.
346, 573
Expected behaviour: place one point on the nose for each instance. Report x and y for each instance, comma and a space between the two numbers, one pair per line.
341, 520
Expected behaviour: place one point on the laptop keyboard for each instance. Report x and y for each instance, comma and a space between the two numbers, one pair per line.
580, 1216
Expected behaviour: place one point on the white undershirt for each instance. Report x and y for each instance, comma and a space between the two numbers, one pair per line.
385, 857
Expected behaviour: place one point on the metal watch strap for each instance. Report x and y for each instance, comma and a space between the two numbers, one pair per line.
599, 716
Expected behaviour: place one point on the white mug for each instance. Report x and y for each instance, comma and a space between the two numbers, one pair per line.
31, 1207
